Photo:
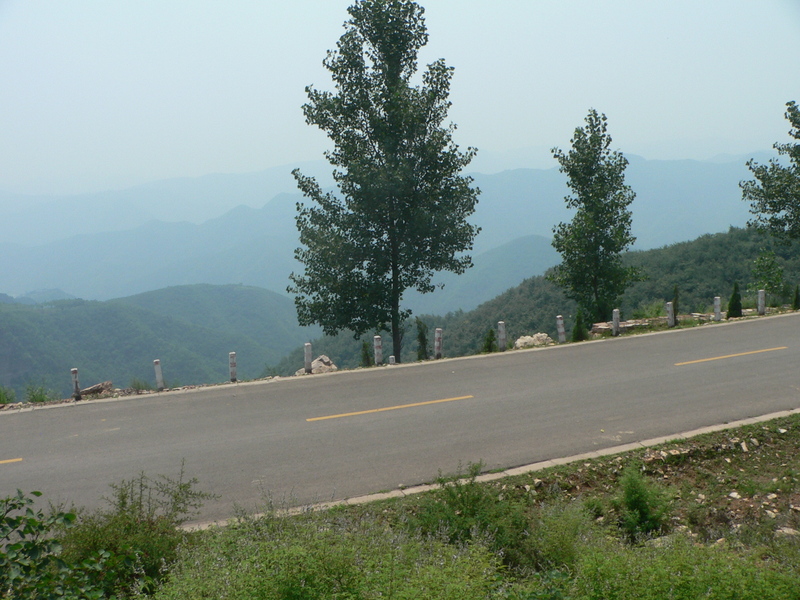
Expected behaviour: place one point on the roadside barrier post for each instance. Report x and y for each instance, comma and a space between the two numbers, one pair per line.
562, 334
717, 308
762, 302
615, 323
501, 335
437, 343
392, 360
308, 357
159, 375
232, 365
76, 387
670, 315
377, 344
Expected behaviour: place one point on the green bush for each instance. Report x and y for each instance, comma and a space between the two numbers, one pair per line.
140, 529
489, 342
735, 303
139, 385
559, 531
463, 510
328, 556
422, 340
579, 332
643, 508
796, 298
7, 395
40, 393
366, 354
31, 565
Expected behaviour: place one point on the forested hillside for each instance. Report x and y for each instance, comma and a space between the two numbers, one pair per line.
703, 268
191, 329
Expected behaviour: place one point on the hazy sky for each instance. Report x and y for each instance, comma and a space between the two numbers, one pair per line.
99, 94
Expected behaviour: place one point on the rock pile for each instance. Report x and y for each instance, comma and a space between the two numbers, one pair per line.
321, 364
533, 341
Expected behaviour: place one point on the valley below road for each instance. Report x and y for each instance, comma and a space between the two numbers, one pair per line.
318, 438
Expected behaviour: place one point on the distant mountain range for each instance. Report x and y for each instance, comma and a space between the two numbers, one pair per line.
124, 242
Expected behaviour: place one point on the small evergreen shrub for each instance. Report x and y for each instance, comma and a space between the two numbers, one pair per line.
579, 332
139, 385
796, 298
489, 342
366, 355
643, 508
422, 340
735, 303
675, 298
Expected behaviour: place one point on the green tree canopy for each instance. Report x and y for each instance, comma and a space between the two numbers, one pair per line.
774, 194
402, 208
591, 271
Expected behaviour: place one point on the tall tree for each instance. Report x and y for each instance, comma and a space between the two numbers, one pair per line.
774, 194
401, 212
591, 271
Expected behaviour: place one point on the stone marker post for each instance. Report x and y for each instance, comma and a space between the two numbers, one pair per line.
562, 334
717, 308
377, 344
762, 302
670, 315
76, 387
392, 360
232, 365
615, 323
159, 375
307, 357
437, 343
501, 336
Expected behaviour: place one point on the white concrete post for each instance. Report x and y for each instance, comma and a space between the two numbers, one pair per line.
437, 343
670, 315
501, 336
76, 387
232, 365
377, 344
307, 362
762, 302
615, 323
159, 375
391, 360
562, 333
717, 308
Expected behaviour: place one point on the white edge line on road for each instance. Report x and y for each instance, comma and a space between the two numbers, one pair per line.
521, 470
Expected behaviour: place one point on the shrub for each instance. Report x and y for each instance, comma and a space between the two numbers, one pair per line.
464, 510
366, 355
735, 303
643, 508
140, 529
7, 395
40, 393
579, 332
422, 340
489, 342
139, 385
796, 298
675, 298
30, 562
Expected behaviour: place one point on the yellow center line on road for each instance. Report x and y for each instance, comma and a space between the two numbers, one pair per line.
376, 410
10, 460
693, 362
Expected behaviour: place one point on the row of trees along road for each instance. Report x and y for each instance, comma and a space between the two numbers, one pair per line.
402, 211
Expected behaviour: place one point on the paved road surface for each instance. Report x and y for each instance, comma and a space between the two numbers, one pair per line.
248, 440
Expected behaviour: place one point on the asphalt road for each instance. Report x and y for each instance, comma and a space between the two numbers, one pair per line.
247, 442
